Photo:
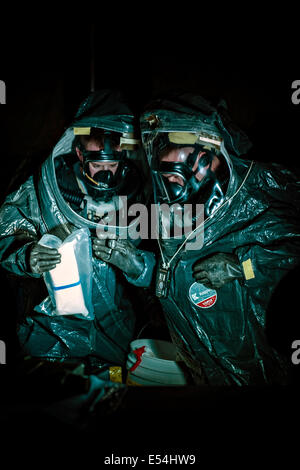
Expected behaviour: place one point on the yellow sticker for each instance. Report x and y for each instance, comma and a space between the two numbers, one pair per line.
182, 137
248, 269
126, 140
115, 374
190, 138
82, 130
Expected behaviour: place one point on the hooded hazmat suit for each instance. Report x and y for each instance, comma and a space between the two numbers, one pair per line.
38, 207
253, 215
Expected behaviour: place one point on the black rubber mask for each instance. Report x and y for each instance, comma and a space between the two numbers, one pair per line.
201, 180
104, 180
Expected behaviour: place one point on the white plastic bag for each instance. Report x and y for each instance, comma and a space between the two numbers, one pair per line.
70, 283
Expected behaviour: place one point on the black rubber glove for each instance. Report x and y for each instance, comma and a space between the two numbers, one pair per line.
217, 270
43, 259
121, 253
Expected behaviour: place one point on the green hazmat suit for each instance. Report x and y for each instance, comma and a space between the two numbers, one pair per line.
221, 332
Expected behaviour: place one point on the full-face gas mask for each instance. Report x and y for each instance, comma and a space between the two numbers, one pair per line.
188, 168
105, 178
108, 172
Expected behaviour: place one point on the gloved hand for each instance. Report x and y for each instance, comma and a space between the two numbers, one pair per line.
43, 259
121, 253
217, 270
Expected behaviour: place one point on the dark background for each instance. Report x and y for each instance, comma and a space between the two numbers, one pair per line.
49, 69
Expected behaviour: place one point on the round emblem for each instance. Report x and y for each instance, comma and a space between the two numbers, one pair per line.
202, 296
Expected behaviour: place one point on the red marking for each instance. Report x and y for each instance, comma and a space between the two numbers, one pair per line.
138, 352
207, 302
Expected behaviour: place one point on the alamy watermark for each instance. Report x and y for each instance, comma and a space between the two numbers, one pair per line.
296, 354
2, 92
2, 352
154, 221
296, 94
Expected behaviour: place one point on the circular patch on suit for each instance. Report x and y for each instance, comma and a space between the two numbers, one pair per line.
202, 296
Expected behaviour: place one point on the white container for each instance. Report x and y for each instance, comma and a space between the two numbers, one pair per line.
154, 363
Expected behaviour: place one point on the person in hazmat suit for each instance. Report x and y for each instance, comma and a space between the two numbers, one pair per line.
228, 232
81, 191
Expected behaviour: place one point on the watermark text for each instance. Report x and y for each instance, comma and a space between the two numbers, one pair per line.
296, 354
154, 221
296, 94
2, 92
2, 352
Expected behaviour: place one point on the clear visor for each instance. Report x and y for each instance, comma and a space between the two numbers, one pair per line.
118, 141
152, 141
186, 167
101, 167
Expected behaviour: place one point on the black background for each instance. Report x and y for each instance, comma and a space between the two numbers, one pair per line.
48, 69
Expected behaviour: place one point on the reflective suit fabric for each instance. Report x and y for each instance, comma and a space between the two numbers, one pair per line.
33, 210
259, 222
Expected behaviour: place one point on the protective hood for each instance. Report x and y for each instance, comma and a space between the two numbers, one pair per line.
206, 173
187, 112
108, 112
221, 333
